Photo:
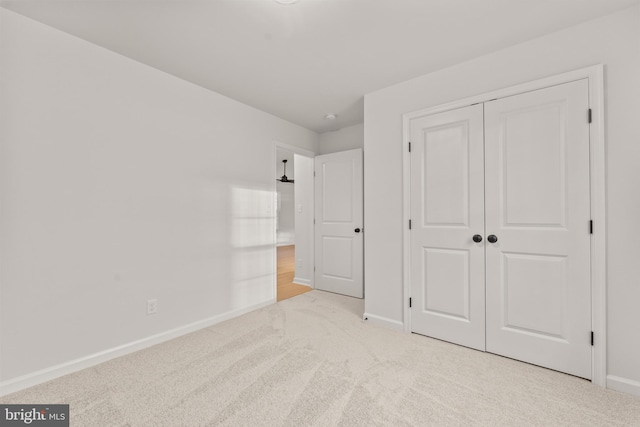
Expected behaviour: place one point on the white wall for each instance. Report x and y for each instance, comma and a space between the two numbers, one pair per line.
614, 41
304, 220
344, 139
120, 183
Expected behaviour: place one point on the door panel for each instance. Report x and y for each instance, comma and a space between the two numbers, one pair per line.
537, 204
540, 309
447, 205
339, 203
446, 272
445, 152
336, 193
338, 267
533, 165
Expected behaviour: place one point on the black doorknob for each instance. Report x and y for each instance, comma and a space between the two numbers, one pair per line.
357, 230
477, 238
492, 238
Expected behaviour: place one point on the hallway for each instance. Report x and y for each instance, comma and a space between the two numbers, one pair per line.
286, 273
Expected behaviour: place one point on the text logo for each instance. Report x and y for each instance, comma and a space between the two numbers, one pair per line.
34, 415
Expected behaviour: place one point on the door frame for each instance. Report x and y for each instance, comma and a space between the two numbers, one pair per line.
595, 78
274, 173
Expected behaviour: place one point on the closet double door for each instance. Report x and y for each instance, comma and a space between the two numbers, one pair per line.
500, 239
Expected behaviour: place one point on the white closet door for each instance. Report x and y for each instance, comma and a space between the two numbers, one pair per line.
537, 206
447, 210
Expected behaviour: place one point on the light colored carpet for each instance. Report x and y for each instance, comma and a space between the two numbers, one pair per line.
311, 360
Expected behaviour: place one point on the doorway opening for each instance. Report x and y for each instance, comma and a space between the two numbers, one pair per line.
293, 221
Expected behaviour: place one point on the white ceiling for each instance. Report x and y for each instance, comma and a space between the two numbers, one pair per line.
302, 61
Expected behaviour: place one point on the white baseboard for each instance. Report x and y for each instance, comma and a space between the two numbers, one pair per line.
47, 374
389, 323
623, 384
299, 281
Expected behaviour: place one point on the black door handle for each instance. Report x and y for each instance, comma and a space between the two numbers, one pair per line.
357, 230
492, 238
477, 238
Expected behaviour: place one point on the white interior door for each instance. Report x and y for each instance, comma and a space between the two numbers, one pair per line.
537, 206
339, 234
447, 210
519, 178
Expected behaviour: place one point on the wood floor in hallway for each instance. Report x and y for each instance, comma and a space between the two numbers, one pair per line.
286, 272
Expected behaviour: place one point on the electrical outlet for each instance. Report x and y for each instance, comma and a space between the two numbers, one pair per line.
152, 306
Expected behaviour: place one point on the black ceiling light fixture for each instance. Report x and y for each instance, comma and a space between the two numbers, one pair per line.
284, 176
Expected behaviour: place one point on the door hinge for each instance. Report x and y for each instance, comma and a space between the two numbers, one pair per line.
409, 146
590, 116
409, 224
592, 334
591, 226
409, 302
